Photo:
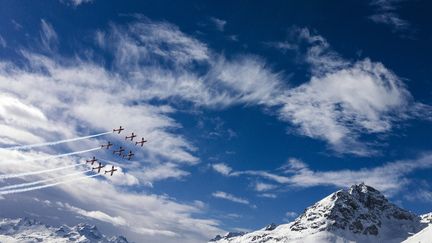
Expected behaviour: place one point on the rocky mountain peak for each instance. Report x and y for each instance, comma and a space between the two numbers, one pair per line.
227, 236
357, 214
361, 209
31, 230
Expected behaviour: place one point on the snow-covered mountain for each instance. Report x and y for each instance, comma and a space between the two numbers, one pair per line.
359, 214
29, 230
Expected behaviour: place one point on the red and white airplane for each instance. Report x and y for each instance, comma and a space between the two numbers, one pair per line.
129, 155
131, 137
107, 146
98, 168
118, 130
141, 142
91, 160
111, 171
119, 151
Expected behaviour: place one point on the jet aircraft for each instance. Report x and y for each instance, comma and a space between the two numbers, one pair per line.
131, 137
129, 155
91, 160
141, 142
119, 151
107, 146
98, 168
111, 171
118, 130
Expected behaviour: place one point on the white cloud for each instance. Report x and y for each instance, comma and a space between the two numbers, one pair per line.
391, 19
289, 216
261, 187
390, 178
283, 46
3, 42
268, 195
76, 3
341, 101
118, 221
422, 195
222, 169
385, 13
365, 98
219, 23
144, 40
84, 97
230, 197
160, 172
48, 36
263, 174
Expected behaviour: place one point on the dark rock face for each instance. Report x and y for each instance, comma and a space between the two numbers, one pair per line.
23, 228
361, 209
270, 227
360, 214
228, 236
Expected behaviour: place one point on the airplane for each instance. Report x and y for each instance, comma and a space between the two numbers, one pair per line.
141, 142
129, 155
131, 137
91, 160
111, 171
98, 168
120, 151
107, 146
118, 130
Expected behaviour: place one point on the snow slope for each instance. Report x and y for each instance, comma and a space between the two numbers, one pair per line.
25, 230
424, 236
359, 214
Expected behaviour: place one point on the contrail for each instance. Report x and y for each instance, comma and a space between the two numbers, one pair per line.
37, 172
41, 181
63, 155
55, 142
45, 186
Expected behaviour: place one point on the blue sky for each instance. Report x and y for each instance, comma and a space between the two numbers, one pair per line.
253, 111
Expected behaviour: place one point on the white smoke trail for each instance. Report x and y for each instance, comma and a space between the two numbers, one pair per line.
56, 142
41, 181
62, 155
45, 186
37, 172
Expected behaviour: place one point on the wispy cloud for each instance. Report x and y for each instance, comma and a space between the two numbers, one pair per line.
390, 178
222, 168
48, 35
423, 195
385, 13
75, 3
345, 99
341, 101
283, 46
118, 221
262, 187
219, 23
85, 96
230, 197
289, 216
268, 195
3, 42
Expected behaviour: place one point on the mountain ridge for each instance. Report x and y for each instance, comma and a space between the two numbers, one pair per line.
358, 214
31, 230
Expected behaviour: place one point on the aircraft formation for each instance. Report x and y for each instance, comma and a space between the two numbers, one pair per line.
119, 151
124, 152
